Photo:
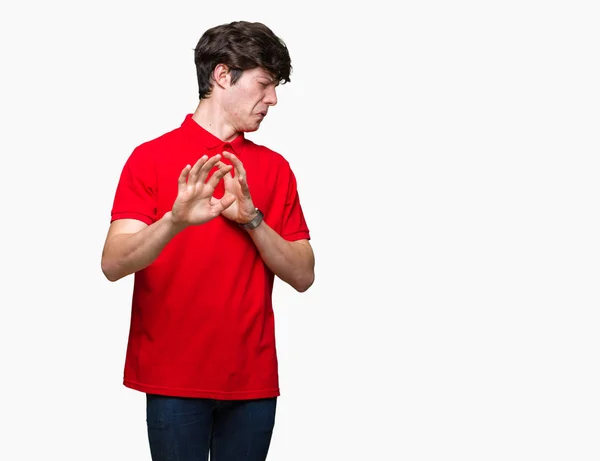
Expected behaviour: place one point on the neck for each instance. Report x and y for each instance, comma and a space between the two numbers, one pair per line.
212, 118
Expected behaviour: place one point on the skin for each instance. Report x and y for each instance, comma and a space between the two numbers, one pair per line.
132, 245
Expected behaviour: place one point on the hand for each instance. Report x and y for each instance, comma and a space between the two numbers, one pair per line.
195, 203
242, 210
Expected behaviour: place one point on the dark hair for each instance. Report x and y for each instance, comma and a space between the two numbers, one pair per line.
240, 45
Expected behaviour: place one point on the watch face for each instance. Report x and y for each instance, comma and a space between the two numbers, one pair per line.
255, 222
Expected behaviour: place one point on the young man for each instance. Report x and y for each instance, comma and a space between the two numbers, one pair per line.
205, 219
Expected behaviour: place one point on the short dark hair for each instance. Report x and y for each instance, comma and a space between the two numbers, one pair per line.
240, 45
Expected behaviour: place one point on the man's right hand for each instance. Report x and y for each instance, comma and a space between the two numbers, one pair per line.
193, 203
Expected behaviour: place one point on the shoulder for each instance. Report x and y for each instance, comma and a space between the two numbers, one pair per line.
170, 138
265, 154
146, 151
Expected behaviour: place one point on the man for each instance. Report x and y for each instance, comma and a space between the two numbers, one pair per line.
205, 219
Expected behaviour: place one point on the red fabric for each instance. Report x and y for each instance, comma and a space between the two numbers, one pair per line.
202, 320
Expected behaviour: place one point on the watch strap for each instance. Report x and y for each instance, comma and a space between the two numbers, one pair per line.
255, 221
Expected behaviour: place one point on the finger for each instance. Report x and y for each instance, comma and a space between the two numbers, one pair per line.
228, 196
223, 204
228, 180
219, 174
181, 181
209, 165
193, 176
239, 166
244, 184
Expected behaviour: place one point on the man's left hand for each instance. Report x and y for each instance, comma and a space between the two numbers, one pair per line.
242, 210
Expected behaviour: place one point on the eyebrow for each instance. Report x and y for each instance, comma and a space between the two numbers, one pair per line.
268, 76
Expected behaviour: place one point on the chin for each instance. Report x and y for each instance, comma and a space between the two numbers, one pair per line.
251, 128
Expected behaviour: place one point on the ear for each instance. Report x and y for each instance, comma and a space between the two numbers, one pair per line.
221, 75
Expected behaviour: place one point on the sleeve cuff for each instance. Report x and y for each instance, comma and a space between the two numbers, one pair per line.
127, 215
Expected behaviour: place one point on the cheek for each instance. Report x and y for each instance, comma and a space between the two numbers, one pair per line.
234, 107
243, 103
238, 110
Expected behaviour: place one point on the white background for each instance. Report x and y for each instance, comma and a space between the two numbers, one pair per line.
447, 161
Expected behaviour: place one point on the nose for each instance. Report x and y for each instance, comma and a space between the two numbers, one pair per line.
271, 96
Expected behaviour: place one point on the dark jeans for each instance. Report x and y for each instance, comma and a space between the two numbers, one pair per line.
185, 429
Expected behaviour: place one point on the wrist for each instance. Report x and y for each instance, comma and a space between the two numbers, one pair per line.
174, 224
254, 221
250, 217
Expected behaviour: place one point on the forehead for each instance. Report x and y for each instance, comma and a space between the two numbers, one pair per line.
259, 72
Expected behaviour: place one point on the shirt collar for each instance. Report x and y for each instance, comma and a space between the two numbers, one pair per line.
200, 136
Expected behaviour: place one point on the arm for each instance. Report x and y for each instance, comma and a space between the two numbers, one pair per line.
292, 262
132, 245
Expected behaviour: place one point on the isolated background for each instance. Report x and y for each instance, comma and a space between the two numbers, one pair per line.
447, 161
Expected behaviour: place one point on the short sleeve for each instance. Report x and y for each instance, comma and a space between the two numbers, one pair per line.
135, 197
294, 224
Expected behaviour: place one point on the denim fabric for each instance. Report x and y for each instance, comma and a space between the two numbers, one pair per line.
187, 429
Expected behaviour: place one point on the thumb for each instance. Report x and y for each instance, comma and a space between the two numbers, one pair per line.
224, 203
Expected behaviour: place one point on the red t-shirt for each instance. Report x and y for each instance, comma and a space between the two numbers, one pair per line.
202, 320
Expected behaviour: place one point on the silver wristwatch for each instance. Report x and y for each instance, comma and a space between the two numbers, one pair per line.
255, 221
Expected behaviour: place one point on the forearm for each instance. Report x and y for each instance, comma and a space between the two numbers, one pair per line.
292, 263
125, 254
